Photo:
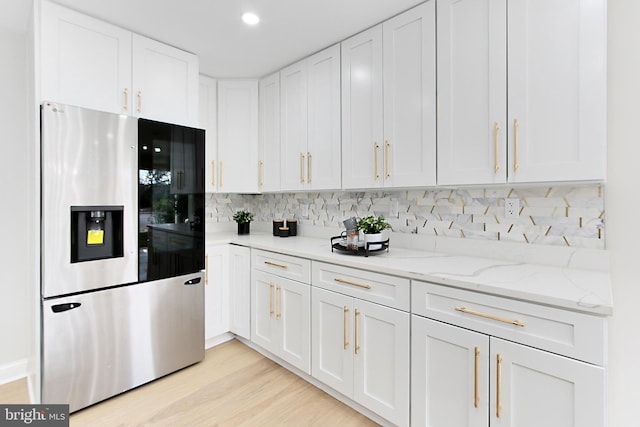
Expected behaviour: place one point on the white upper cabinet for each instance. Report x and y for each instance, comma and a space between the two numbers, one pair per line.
388, 139
165, 82
323, 120
409, 75
85, 62
557, 89
208, 112
362, 109
269, 151
92, 64
237, 136
310, 118
472, 84
293, 132
554, 55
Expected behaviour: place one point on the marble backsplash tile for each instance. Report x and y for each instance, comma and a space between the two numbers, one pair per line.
564, 215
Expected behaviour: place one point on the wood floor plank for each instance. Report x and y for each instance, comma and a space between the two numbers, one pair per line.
233, 386
14, 392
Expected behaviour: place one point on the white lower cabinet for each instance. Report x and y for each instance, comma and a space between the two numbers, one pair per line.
361, 350
216, 292
240, 290
465, 378
280, 320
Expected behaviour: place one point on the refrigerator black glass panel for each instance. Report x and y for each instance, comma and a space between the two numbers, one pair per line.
170, 200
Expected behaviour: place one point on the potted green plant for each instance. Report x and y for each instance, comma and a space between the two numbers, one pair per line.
243, 218
372, 228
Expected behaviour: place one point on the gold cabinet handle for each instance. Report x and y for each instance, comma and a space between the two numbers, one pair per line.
476, 394
270, 299
357, 347
498, 384
489, 316
275, 264
308, 168
516, 129
139, 101
260, 172
126, 99
386, 159
348, 282
278, 302
213, 172
496, 132
375, 160
220, 178
302, 168
206, 269
345, 333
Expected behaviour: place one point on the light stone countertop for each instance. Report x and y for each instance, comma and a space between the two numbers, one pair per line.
583, 290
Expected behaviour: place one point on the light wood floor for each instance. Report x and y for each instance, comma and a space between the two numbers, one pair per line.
233, 386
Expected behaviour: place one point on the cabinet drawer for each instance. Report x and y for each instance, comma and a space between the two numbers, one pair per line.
565, 332
375, 287
282, 265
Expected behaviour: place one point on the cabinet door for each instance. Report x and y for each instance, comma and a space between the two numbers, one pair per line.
165, 82
409, 52
557, 89
240, 290
381, 360
332, 346
362, 144
85, 62
472, 84
269, 157
293, 308
208, 111
535, 388
238, 136
449, 375
323, 126
293, 131
216, 291
263, 311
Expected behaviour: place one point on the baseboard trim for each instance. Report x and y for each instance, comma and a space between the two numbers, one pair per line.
13, 371
217, 340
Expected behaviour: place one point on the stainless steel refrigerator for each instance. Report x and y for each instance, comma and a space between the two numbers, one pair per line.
122, 252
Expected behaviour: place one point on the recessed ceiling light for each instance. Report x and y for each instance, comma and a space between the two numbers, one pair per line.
250, 18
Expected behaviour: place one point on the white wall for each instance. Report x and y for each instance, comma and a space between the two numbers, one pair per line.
15, 196
622, 205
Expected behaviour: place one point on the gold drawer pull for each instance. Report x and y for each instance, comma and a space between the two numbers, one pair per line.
345, 333
496, 133
278, 314
489, 316
275, 265
498, 385
476, 393
347, 282
357, 347
376, 147
270, 299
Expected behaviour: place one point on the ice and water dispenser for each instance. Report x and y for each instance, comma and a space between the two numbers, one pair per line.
96, 232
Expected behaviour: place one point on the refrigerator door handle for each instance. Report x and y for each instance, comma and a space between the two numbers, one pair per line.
193, 281
59, 308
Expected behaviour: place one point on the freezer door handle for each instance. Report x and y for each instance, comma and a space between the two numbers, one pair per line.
59, 308
192, 281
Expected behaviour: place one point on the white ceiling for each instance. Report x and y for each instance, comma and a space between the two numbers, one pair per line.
212, 29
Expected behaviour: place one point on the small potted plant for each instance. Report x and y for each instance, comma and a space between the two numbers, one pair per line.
372, 228
243, 218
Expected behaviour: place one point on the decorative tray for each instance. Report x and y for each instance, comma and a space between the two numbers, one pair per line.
339, 243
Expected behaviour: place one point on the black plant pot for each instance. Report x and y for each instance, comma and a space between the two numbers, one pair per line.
243, 227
